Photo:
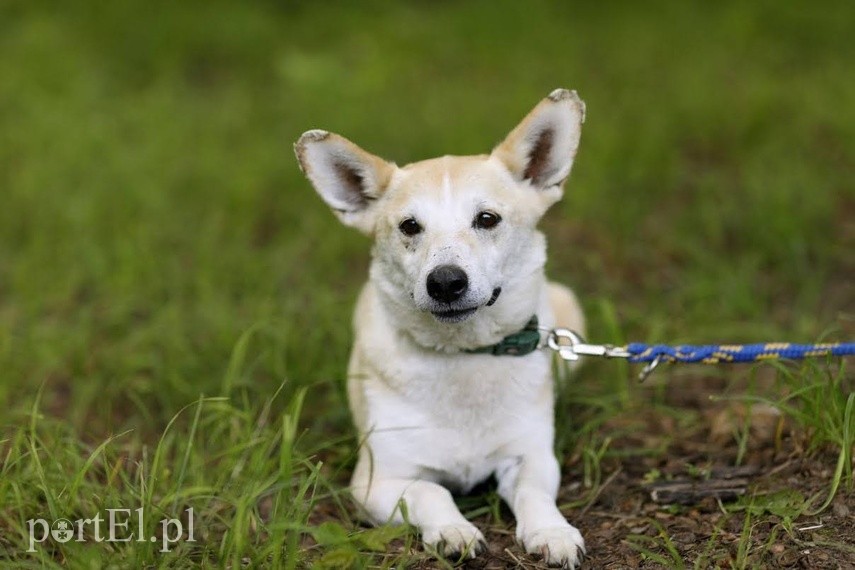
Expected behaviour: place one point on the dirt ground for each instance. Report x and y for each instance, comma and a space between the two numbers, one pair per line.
700, 533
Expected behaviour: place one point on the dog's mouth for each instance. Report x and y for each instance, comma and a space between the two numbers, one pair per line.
454, 315
459, 315
495, 296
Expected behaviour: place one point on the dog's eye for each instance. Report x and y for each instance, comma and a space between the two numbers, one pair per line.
410, 227
486, 220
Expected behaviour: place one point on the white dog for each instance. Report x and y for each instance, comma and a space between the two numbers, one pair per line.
442, 391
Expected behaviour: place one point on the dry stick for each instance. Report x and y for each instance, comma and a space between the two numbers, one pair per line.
600, 491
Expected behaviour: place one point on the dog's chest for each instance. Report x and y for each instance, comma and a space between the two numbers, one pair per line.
467, 391
457, 416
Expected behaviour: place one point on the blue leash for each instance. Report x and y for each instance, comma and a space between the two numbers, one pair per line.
719, 353
570, 346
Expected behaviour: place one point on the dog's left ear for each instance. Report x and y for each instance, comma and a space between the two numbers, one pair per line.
348, 178
541, 149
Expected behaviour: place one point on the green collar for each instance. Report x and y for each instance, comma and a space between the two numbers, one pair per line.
520, 343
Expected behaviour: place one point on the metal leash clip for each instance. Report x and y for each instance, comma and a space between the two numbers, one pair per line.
570, 346
649, 368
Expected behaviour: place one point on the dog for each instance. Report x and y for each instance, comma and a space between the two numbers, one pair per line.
457, 269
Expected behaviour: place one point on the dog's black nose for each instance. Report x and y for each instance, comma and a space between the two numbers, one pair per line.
447, 283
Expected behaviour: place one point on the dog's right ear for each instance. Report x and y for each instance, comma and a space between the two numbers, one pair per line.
348, 178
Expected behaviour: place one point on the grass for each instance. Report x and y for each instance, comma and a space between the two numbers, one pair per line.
175, 300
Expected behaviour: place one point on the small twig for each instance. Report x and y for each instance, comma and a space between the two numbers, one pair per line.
617, 516
513, 557
688, 491
777, 469
811, 527
599, 491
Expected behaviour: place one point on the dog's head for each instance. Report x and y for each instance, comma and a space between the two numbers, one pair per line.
453, 235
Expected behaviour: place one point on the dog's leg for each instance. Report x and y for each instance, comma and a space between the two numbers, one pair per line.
529, 485
429, 507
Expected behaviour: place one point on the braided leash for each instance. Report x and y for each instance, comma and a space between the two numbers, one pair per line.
570, 346
718, 353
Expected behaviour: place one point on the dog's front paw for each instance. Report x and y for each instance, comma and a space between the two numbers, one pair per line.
455, 540
560, 546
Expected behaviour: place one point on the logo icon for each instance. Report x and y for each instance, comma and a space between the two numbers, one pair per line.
62, 530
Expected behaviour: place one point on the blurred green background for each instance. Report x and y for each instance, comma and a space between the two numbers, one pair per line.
153, 210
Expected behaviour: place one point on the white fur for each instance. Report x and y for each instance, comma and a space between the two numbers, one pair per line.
430, 416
